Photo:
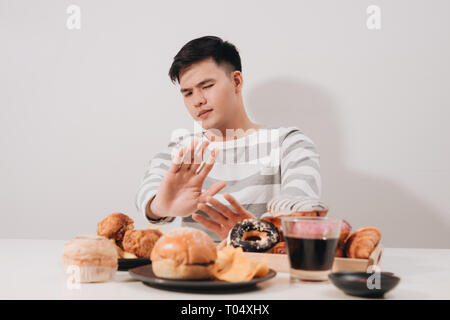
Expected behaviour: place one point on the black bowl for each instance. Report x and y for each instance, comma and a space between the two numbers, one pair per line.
355, 283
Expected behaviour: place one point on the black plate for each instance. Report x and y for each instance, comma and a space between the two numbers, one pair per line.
355, 283
126, 264
146, 275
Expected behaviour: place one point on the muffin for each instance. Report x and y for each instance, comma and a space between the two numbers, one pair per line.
94, 256
140, 242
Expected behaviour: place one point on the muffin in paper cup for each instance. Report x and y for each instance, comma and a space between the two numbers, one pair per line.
90, 259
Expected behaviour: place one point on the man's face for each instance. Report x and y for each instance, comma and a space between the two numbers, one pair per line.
206, 86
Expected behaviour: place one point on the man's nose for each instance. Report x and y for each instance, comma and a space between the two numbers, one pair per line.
200, 100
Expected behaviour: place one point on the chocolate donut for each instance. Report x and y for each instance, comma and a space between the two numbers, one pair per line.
254, 235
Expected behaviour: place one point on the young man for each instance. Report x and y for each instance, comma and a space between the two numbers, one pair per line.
233, 167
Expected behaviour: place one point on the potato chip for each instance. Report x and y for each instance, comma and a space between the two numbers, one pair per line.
233, 266
129, 255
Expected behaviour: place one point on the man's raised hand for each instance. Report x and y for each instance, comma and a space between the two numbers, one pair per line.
180, 191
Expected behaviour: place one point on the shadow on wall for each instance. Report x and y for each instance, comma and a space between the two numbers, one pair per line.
363, 200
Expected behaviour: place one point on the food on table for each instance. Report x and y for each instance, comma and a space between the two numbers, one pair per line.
140, 243
358, 245
254, 235
292, 206
128, 255
276, 222
90, 258
362, 242
233, 266
114, 227
278, 207
346, 229
279, 248
129, 243
184, 253
286, 205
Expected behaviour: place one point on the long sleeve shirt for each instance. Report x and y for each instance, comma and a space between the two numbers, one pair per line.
256, 168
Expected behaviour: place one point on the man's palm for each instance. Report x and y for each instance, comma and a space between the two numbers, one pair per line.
180, 192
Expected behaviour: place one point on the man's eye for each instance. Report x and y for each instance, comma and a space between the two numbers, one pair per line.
208, 86
187, 94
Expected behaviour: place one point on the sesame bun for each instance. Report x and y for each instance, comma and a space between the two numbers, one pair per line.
93, 257
184, 253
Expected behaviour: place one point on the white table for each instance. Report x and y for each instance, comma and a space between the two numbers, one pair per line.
31, 269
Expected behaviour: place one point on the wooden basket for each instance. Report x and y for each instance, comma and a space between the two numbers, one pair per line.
280, 262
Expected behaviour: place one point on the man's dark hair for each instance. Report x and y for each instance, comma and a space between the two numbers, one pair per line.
223, 53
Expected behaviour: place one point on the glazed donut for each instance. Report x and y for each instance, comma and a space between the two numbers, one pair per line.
254, 235
276, 222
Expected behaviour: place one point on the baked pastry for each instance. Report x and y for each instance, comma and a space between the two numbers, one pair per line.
362, 242
140, 242
276, 222
114, 227
93, 257
279, 248
184, 253
286, 205
346, 229
254, 235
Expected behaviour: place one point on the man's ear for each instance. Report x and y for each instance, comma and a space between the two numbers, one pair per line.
237, 80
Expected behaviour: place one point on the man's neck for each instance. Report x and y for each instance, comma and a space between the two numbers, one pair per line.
233, 131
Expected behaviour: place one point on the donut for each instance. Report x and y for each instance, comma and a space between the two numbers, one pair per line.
254, 235
276, 222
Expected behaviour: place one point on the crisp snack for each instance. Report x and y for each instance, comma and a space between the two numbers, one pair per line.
128, 255
233, 266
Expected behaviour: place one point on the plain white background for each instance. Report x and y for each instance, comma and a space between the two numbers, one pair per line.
83, 111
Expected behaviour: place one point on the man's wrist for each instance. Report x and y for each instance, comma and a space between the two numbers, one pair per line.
150, 211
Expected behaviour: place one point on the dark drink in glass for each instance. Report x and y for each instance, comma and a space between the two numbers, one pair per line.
311, 254
311, 246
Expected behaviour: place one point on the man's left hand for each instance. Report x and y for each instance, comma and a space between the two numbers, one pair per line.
222, 219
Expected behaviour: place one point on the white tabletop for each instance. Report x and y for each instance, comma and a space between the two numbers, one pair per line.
32, 269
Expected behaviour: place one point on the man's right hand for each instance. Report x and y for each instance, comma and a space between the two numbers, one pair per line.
180, 191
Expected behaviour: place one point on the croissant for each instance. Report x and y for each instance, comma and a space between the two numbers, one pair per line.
362, 242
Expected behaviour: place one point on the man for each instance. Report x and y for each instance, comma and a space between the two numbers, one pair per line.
230, 170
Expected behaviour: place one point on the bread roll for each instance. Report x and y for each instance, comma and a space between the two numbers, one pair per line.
184, 253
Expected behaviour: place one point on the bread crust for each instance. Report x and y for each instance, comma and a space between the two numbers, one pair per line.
184, 253
169, 269
185, 246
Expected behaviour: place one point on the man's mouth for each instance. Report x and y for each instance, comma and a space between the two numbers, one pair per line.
204, 113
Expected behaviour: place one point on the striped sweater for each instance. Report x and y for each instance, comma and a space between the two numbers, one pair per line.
263, 164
